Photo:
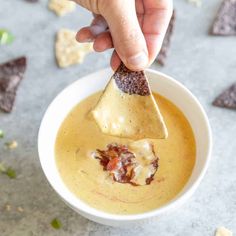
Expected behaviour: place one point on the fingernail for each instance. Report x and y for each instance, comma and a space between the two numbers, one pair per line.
139, 60
87, 40
96, 29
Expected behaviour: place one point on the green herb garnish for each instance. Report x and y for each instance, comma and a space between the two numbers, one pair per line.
10, 173
1, 134
56, 224
7, 171
5, 37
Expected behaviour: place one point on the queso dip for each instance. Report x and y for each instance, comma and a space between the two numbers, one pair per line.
79, 136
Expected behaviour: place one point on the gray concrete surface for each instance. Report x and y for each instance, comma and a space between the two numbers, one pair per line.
205, 64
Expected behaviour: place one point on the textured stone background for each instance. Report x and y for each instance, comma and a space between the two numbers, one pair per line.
205, 64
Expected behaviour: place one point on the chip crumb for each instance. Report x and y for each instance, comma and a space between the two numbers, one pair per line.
61, 7
11, 145
222, 231
197, 3
68, 50
20, 209
8, 207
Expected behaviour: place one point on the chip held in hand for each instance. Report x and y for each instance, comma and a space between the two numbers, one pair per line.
128, 109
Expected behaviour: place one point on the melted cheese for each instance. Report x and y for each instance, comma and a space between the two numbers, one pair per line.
79, 136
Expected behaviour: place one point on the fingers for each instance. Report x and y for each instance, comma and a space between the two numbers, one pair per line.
103, 42
88, 34
155, 23
85, 35
137, 39
126, 33
115, 61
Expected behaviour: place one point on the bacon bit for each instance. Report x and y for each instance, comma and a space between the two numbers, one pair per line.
112, 164
121, 163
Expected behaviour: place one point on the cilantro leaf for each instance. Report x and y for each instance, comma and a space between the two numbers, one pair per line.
10, 173
5, 37
56, 224
1, 134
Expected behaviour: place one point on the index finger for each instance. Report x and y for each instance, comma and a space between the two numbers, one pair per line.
157, 14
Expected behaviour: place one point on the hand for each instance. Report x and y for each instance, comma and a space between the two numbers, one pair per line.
135, 28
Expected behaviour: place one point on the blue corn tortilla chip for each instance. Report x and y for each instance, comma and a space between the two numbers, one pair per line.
11, 74
161, 58
227, 99
225, 22
131, 82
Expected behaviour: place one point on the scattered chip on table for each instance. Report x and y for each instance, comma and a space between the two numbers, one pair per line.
11, 145
227, 99
68, 50
222, 231
11, 74
161, 58
225, 22
61, 7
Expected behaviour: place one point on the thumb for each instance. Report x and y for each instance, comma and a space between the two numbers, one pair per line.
127, 36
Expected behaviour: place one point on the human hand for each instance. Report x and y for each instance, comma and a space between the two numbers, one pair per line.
135, 28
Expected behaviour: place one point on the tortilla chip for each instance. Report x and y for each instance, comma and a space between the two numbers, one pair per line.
222, 231
161, 58
225, 22
128, 109
61, 7
11, 74
68, 50
227, 99
131, 82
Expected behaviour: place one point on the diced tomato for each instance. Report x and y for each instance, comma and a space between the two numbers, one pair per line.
112, 164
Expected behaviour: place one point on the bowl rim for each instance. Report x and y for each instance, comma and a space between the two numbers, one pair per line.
179, 200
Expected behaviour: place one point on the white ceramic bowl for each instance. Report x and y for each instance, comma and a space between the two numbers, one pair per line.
73, 94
